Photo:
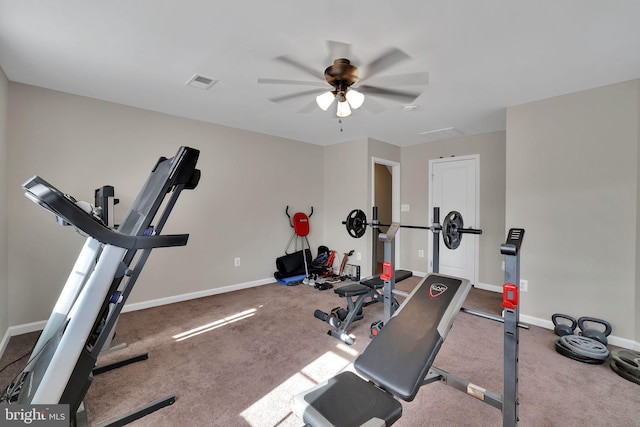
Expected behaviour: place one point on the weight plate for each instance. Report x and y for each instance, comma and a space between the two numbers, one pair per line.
575, 356
624, 374
585, 346
356, 223
628, 360
450, 235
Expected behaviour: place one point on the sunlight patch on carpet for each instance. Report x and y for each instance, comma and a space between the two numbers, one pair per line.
214, 325
275, 406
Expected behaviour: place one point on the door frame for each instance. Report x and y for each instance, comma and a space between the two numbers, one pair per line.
476, 159
395, 198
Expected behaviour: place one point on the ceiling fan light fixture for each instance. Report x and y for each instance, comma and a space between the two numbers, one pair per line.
343, 109
325, 100
355, 98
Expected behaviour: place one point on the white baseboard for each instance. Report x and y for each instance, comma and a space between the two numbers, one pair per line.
548, 324
4, 342
194, 295
19, 330
38, 326
612, 339
488, 287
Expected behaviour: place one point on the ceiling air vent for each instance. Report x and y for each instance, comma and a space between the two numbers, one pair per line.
444, 133
201, 82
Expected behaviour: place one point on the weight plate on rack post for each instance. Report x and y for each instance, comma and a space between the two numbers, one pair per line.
452, 223
356, 223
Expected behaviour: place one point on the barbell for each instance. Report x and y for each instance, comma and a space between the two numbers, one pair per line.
452, 228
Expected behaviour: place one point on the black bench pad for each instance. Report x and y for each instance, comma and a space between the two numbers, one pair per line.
351, 290
347, 400
376, 282
401, 355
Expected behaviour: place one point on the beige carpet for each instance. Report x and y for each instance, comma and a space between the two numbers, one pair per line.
237, 359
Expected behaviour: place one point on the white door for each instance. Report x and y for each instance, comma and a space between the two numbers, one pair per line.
454, 186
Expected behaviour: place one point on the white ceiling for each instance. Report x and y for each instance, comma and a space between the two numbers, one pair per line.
481, 55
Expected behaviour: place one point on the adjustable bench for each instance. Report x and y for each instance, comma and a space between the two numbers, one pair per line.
341, 319
376, 282
395, 363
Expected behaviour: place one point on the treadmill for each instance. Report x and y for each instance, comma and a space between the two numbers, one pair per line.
60, 368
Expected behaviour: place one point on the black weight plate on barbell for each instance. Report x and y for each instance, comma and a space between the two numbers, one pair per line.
575, 356
628, 360
452, 223
584, 346
624, 374
356, 223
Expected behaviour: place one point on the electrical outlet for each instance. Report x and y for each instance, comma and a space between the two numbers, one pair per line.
358, 256
236, 262
420, 253
524, 285
502, 266
404, 208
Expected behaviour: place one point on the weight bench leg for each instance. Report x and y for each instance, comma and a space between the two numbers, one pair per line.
341, 331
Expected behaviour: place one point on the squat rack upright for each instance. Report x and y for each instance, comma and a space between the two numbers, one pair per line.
507, 402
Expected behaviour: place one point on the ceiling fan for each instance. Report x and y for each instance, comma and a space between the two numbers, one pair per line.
343, 77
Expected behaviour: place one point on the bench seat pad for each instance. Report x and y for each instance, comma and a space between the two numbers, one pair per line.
347, 400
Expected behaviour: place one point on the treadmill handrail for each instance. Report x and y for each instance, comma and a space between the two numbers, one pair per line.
52, 199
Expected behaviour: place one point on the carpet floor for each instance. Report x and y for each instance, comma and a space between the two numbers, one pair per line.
236, 359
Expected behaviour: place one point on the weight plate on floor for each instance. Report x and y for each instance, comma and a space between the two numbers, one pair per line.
573, 355
585, 346
624, 374
628, 360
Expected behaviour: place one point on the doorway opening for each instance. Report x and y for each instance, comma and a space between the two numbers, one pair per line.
385, 194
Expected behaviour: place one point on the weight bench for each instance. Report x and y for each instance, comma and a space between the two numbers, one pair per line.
376, 282
396, 362
341, 319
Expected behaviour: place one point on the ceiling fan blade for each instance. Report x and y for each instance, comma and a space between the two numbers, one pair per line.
395, 95
311, 71
370, 104
338, 50
310, 107
411, 79
296, 95
384, 61
292, 82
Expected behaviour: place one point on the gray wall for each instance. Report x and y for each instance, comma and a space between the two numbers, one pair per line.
4, 285
570, 163
637, 236
415, 193
79, 144
348, 177
383, 200
572, 183
345, 177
